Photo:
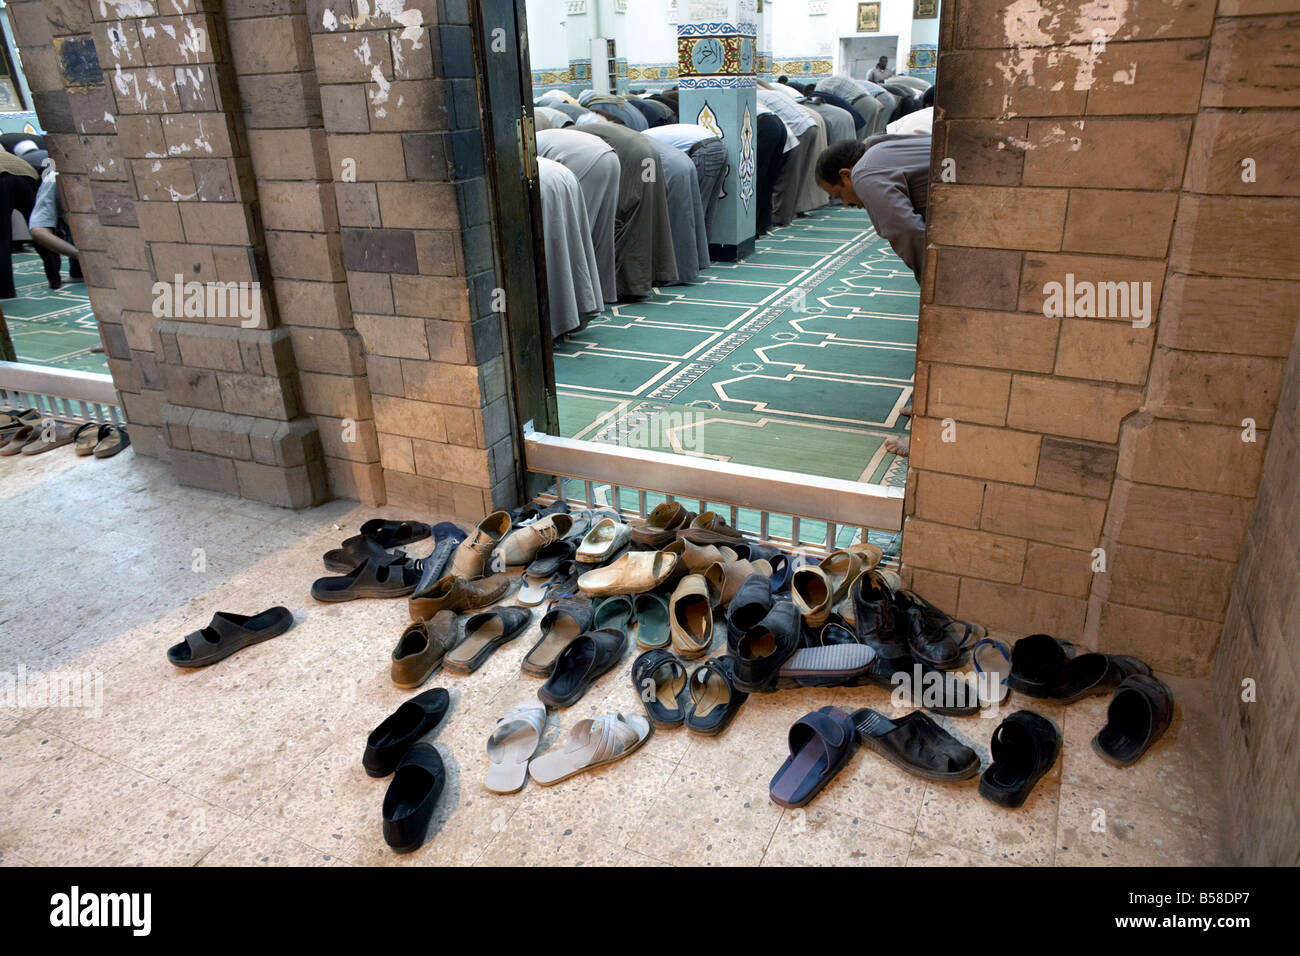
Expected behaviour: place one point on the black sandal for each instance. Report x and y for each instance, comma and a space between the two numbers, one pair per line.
356, 551
1139, 714
917, 744
660, 681
1024, 747
715, 699
1036, 662
580, 664
228, 633
484, 633
390, 534
390, 577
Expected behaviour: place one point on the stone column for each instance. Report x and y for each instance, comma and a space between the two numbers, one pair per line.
715, 61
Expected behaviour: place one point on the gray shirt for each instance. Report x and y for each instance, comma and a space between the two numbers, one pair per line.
891, 180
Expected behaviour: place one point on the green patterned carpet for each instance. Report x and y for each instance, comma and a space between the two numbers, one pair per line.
799, 358
51, 328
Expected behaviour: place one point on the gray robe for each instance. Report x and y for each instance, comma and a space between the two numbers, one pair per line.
643, 238
596, 166
685, 212
572, 280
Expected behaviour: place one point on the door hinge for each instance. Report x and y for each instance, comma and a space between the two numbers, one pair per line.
525, 132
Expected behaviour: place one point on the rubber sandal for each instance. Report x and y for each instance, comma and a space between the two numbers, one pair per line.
86, 437
421, 648
393, 577
591, 743
650, 621
606, 537
47, 439
715, 698
535, 591
839, 665
401, 729
484, 633
1089, 675
617, 612
514, 740
821, 743
1036, 663
411, 798
660, 681
390, 534
992, 660
569, 617
552, 557
580, 664
17, 438
343, 560
1024, 747
112, 441
228, 633
1139, 714
915, 743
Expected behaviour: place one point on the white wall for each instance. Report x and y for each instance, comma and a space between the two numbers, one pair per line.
795, 34
548, 45
648, 36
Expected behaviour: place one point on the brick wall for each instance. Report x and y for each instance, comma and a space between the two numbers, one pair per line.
330, 154
1110, 162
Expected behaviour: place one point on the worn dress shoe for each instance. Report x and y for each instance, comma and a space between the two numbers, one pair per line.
420, 650
451, 593
470, 559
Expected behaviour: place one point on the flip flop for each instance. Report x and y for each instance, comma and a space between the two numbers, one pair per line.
536, 590
227, 633
992, 660
715, 698
821, 743
514, 740
111, 441
1024, 747
660, 681
343, 560
484, 633
917, 744
551, 557
392, 577
391, 534
401, 729
650, 621
86, 437
44, 440
15, 439
561, 625
591, 743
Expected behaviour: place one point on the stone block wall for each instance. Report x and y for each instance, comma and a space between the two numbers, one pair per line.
330, 154
1106, 145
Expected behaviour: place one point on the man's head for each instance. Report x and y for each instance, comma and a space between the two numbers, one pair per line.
783, 79
883, 62
835, 170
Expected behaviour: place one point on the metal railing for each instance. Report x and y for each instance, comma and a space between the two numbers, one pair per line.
61, 393
764, 502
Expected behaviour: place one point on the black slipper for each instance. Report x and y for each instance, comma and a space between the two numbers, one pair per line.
402, 728
484, 633
578, 666
228, 633
550, 557
917, 744
715, 699
1024, 747
411, 797
821, 743
1091, 674
357, 551
567, 619
390, 577
391, 534
1139, 714
660, 681
924, 685
1036, 663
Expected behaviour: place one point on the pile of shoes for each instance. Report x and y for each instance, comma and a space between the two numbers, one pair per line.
30, 432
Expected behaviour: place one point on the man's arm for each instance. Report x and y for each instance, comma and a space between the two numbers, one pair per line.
45, 218
44, 237
882, 186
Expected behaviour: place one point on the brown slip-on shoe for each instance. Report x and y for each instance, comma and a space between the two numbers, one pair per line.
710, 528
690, 616
727, 576
521, 545
696, 557
47, 439
86, 437
869, 553
451, 593
812, 593
471, 557
634, 572
420, 650
17, 438
842, 569
661, 525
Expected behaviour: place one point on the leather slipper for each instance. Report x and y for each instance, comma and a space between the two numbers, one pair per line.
401, 729
227, 633
580, 664
591, 743
484, 633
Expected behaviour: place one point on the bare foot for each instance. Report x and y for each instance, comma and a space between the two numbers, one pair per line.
899, 446
907, 411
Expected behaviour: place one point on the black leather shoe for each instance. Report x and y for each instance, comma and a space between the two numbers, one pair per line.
402, 728
750, 605
766, 646
934, 636
411, 798
874, 615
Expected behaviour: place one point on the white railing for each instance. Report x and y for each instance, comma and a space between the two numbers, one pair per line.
622, 479
60, 393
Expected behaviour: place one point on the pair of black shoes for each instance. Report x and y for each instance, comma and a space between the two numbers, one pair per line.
417, 769
763, 632
901, 623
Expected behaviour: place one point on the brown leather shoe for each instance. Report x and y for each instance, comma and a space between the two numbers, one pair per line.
710, 528
470, 559
697, 557
451, 593
420, 651
661, 525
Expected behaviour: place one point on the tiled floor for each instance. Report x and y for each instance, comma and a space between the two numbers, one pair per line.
256, 760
